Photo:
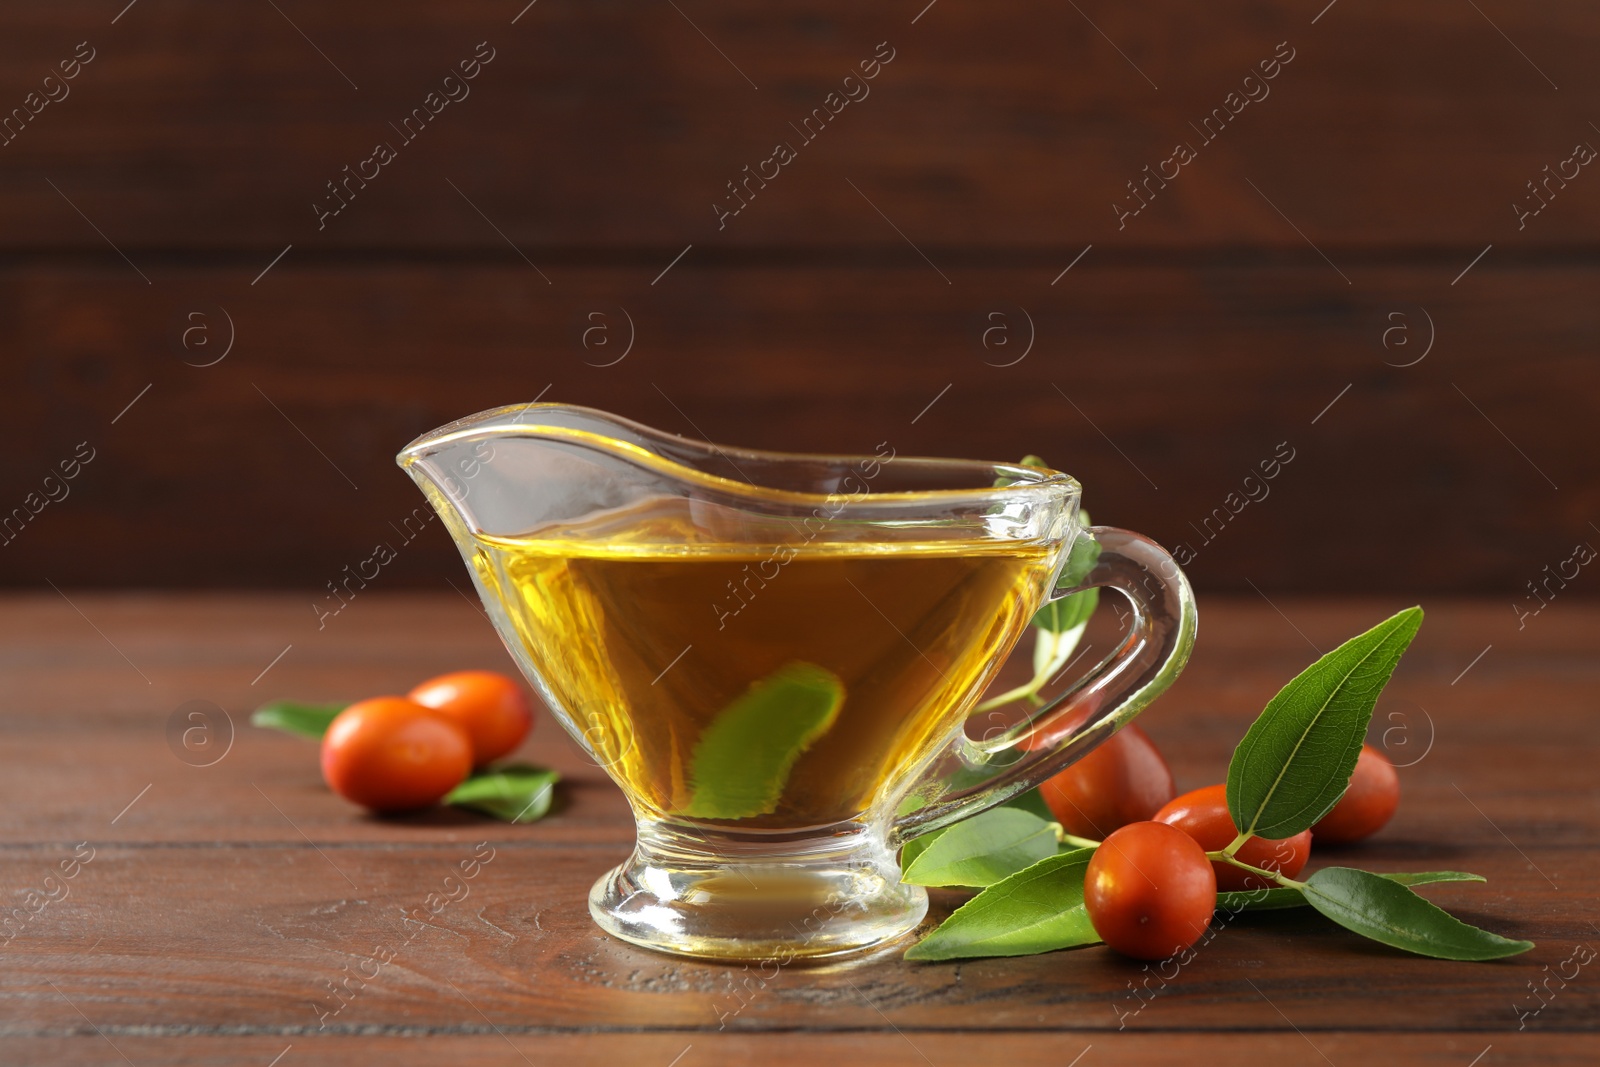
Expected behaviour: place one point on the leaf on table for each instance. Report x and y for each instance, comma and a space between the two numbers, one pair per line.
1296, 759
516, 792
916, 847
1387, 911
1288, 896
1283, 896
1430, 877
290, 716
984, 849
927, 794
743, 759
1033, 803
1038, 909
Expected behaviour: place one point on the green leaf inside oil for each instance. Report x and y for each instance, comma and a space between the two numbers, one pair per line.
743, 759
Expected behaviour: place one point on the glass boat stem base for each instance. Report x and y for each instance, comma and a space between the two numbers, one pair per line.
702, 892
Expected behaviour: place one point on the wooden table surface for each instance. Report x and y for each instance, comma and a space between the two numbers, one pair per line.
213, 908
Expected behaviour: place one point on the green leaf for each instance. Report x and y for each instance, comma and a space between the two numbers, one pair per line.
1289, 897
982, 850
1430, 877
308, 720
1283, 896
1071, 611
1038, 909
743, 759
1033, 803
917, 846
1061, 615
516, 792
1386, 911
1296, 759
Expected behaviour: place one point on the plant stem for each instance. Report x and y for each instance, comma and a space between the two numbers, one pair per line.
1030, 690
1072, 839
1271, 876
1021, 692
1064, 838
1236, 844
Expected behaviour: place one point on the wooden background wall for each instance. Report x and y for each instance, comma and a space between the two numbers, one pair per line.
1316, 252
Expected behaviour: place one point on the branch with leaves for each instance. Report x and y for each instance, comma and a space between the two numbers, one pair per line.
1290, 769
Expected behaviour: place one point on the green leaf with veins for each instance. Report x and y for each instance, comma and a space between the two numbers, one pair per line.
1386, 911
1031, 802
917, 846
1289, 896
743, 759
1038, 909
1296, 759
516, 792
982, 850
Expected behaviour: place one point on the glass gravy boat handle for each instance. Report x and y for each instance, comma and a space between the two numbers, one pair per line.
1148, 660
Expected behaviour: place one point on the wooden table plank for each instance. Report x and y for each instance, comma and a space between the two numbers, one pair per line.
206, 911
909, 1048
211, 939
614, 126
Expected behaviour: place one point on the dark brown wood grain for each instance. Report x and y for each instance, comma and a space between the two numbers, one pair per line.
145, 205
615, 126
1161, 387
219, 904
1279, 292
908, 1048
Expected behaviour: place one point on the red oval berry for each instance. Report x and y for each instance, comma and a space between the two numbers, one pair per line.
1125, 780
491, 708
1367, 805
393, 754
1203, 815
1149, 891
